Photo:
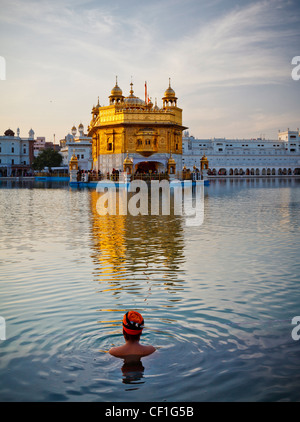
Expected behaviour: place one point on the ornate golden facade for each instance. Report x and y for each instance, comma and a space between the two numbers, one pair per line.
130, 125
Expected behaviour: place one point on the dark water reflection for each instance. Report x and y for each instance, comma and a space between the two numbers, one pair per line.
217, 299
133, 373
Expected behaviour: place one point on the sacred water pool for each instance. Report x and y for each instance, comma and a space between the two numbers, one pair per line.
218, 299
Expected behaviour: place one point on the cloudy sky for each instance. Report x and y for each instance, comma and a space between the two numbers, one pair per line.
229, 62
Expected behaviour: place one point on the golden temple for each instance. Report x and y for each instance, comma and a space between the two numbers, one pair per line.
130, 128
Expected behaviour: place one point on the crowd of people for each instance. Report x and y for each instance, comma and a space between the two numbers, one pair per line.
93, 175
16, 173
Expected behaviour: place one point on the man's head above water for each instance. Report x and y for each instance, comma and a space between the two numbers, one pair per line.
133, 324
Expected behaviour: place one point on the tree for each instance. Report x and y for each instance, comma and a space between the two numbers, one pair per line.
47, 158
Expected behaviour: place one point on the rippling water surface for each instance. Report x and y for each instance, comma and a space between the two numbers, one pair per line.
218, 299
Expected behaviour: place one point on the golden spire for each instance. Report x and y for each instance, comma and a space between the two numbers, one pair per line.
127, 159
131, 90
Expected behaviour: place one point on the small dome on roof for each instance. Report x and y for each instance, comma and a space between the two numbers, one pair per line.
9, 132
74, 157
156, 108
116, 89
169, 92
132, 100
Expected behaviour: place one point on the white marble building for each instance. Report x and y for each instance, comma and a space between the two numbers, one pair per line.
261, 157
16, 153
81, 145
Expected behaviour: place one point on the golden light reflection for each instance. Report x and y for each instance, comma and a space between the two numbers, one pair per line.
136, 254
108, 237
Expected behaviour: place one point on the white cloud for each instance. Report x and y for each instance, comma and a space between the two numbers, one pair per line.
244, 46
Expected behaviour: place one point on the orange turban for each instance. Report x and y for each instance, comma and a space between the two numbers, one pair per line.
133, 322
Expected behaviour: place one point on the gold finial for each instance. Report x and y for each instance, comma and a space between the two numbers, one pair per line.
74, 157
169, 82
131, 90
116, 80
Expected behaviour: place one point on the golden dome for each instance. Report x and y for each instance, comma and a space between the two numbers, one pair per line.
116, 89
169, 92
73, 164
74, 157
95, 109
132, 100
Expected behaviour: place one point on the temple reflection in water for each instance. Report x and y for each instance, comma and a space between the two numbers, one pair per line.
131, 252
